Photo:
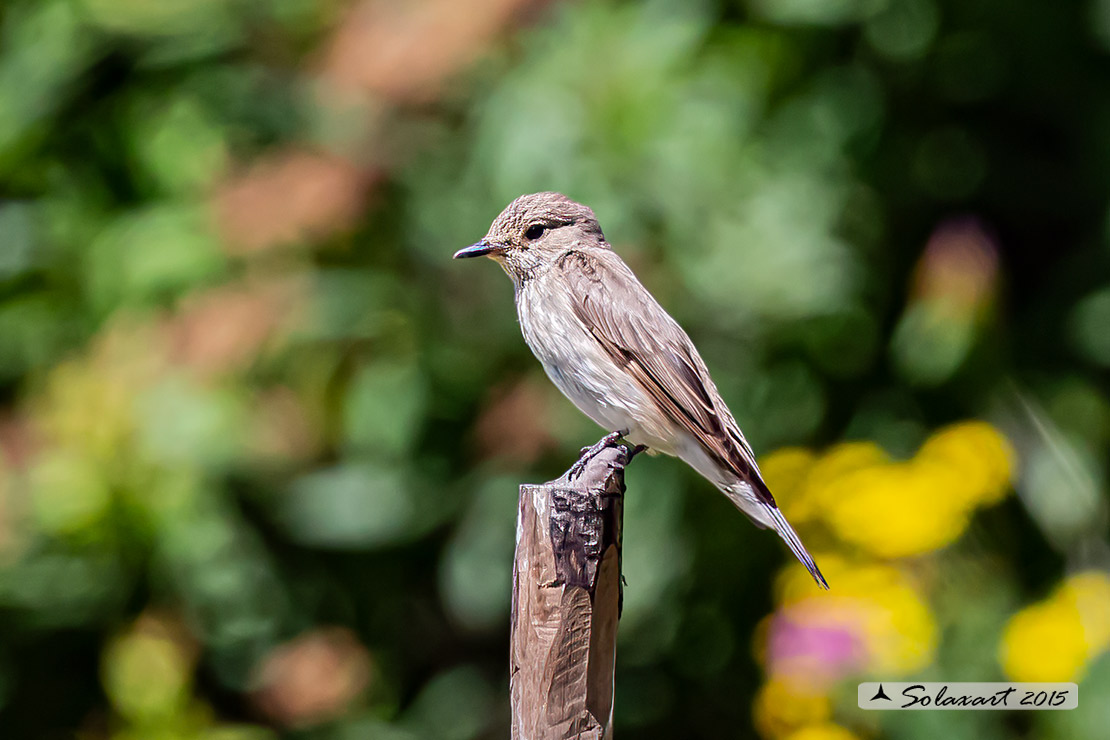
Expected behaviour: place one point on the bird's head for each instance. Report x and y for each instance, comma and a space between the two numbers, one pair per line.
533, 231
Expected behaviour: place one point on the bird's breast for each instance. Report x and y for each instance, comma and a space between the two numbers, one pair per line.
581, 368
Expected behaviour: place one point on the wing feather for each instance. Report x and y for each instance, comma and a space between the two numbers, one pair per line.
642, 337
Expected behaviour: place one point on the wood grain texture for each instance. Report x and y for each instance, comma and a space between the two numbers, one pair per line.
566, 603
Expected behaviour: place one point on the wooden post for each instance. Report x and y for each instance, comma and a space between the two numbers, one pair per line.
566, 602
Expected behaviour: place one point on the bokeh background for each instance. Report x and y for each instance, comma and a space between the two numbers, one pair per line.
260, 438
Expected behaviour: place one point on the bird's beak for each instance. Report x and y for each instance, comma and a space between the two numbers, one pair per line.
480, 249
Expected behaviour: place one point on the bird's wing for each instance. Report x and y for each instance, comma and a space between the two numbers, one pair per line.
641, 337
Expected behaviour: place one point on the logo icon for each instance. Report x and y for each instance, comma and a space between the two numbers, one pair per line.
880, 694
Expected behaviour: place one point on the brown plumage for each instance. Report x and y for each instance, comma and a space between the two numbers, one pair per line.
617, 354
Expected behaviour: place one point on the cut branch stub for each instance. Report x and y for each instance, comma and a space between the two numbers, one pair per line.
566, 602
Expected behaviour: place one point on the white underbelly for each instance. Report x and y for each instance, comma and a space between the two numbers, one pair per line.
586, 374
599, 398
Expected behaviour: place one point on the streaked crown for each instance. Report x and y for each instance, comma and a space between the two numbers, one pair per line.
546, 211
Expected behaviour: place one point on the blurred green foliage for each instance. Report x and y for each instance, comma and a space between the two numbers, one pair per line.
260, 438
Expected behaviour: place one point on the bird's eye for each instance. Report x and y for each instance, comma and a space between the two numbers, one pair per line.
535, 231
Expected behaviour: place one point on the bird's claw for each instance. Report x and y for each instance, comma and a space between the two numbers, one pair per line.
579, 465
589, 453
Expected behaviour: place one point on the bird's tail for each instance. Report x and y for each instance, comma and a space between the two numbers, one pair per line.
790, 537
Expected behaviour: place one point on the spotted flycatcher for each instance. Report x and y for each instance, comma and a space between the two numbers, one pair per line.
617, 355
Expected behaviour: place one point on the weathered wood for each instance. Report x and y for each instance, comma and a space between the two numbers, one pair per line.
566, 602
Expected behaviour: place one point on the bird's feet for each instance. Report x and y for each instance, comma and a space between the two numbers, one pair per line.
588, 453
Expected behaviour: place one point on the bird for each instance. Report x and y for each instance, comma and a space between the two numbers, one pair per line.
617, 354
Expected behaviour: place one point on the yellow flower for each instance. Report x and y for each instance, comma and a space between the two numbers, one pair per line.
896, 510
1089, 593
1044, 642
798, 478
873, 606
781, 707
982, 457
785, 473
823, 731
900, 628
842, 460
1055, 639
794, 583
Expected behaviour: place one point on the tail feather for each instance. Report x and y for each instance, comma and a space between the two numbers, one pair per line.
790, 537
